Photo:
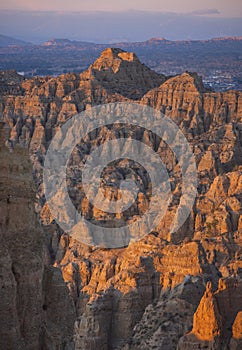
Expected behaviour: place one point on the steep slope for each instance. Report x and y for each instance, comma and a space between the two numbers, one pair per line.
6, 41
121, 71
36, 310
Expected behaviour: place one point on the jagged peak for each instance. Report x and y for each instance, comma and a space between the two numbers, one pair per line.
121, 71
118, 53
188, 78
112, 58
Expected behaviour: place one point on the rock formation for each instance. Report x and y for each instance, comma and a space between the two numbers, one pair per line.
143, 296
217, 318
36, 309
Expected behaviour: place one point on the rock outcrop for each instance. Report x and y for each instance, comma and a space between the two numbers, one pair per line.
217, 318
121, 72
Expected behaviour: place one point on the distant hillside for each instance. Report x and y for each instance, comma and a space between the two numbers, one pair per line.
67, 42
218, 60
6, 41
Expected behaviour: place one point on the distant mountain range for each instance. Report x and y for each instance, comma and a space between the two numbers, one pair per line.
6, 41
115, 26
218, 60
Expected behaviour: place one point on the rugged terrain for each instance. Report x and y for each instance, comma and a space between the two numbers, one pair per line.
166, 291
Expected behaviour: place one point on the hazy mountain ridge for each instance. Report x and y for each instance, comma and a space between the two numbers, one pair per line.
115, 26
6, 41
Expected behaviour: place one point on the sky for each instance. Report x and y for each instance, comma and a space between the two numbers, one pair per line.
224, 8
105, 21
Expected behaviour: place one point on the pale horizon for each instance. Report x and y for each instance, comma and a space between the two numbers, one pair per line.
129, 20
222, 8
